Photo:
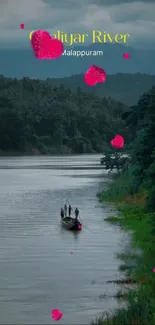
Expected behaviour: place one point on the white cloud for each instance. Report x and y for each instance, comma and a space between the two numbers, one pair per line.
95, 16
134, 18
18, 11
133, 11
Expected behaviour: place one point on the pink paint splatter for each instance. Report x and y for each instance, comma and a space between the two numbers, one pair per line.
94, 75
117, 142
56, 314
126, 56
44, 47
22, 26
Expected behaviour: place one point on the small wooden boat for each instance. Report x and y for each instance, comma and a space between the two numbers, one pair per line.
71, 223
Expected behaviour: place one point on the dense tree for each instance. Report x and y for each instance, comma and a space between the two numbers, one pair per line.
142, 154
11, 126
140, 122
36, 115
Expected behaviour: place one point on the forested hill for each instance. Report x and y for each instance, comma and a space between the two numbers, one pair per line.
22, 62
38, 117
122, 87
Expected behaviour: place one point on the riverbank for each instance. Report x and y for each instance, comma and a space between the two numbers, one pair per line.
133, 217
46, 152
52, 151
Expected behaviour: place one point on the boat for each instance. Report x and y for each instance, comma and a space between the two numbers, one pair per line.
71, 223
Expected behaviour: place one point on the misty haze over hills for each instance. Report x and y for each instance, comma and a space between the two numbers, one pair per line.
125, 88
22, 62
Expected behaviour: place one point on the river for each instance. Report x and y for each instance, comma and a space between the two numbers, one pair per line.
43, 266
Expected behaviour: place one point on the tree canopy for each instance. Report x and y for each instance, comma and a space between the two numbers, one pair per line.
140, 120
34, 115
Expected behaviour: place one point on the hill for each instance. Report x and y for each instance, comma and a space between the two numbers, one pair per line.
19, 63
38, 117
126, 88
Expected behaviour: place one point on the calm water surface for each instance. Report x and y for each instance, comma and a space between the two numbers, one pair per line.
37, 270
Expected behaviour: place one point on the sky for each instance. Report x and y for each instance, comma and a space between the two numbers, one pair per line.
136, 18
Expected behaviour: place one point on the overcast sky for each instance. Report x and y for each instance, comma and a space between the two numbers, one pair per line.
136, 18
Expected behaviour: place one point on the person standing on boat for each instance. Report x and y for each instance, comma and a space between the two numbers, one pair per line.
62, 213
65, 210
76, 213
70, 210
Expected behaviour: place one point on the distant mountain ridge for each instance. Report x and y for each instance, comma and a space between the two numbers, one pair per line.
19, 63
126, 88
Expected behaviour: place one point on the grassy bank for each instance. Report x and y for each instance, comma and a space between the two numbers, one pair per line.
133, 216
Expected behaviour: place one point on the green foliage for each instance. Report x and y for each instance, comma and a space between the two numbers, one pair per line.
115, 161
34, 115
143, 146
118, 189
9, 136
151, 186
139, 214
141, 167
141, 301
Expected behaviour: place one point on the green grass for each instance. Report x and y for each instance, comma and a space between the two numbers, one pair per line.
119, 189
140, 308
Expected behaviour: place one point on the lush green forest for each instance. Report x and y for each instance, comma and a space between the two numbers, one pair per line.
140, 121
37, 117
133, 190
126, 88
141, 118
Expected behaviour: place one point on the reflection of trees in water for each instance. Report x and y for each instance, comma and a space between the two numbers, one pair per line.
76, 234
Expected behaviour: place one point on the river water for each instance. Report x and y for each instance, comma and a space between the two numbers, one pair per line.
43, 266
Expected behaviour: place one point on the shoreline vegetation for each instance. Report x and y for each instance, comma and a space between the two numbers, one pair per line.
132, 190
137, 268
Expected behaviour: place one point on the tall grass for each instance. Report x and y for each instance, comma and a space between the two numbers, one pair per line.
140, 308
118, 189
